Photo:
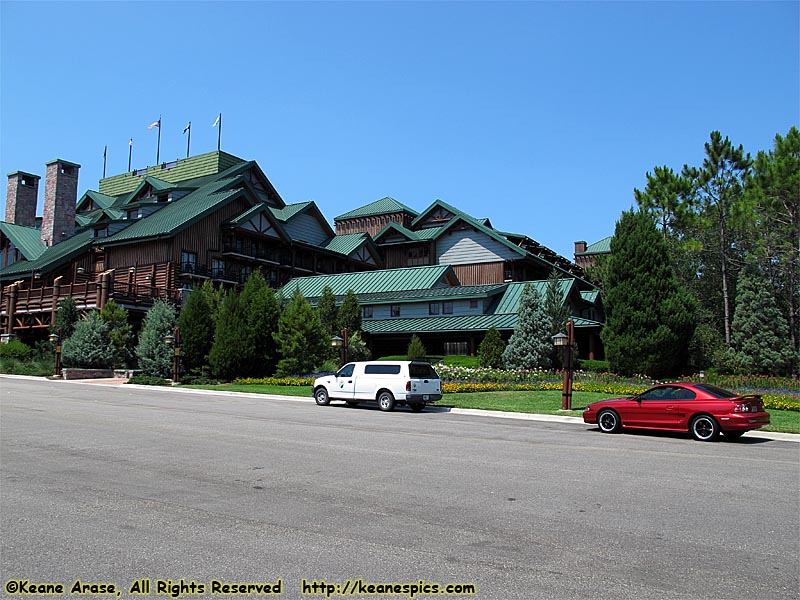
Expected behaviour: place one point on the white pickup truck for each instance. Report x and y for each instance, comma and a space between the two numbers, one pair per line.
386, 382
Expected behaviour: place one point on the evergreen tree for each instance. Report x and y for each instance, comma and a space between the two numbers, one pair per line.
230, 337
556, 312
261, 312
665, 198
357, 347
300, 338
328, 312
416, 349
67, 316
649, 317
214, 297
197, 330
350, 313
89, 346
717, 190
759, 333
530, 344
490, 351
119, 331
154, 354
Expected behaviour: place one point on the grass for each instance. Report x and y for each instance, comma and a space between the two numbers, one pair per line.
545, 402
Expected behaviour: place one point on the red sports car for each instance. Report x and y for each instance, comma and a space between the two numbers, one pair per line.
699, 408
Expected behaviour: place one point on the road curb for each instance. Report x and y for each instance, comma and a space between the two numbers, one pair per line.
471, 412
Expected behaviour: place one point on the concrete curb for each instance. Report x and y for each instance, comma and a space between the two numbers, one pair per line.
472, 412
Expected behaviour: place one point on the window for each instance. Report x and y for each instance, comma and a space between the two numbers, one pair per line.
188, 262
217, 268
366, 312
473, 304
433, 308
382, 370
346, 371
422, 370
447, 308
395, 310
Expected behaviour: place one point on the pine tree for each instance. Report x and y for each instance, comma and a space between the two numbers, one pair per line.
350, 313
230, 337
416, 349
197, 330
328, 312
261, 312
89, 346
649, 317
154, 354
530, 344
490, 352
67, 316
300, 338
759, 333
119, 331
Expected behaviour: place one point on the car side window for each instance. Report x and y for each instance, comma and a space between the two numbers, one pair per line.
683, 394
346, 371
655, 394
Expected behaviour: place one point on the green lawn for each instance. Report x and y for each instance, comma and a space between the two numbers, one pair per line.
548, 402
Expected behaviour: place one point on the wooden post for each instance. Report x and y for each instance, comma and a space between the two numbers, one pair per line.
12, 307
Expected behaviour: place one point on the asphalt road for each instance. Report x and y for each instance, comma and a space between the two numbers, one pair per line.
115, 484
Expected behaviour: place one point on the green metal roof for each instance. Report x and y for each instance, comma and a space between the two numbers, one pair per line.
601, 247
182, 170
290, 210
439, 324
386, 280
590, 296
26, 239
345, 244
379, 207
53, 256
509, 303
177, 215
438, 294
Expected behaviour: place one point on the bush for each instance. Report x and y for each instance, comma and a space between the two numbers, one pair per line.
490, 352
597, 366
148, 380
416, 349
16, 350
89, 347
154, 354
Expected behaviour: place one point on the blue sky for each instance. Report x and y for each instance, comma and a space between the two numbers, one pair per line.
541, 116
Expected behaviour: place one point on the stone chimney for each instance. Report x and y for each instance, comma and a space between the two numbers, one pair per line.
580, 247
60, 197
21, 196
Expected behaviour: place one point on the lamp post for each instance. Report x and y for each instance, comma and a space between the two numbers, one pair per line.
55, 339
567, 342
174, 340
341, 343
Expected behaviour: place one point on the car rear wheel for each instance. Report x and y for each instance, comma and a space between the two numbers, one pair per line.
608, 421
386, 401
321, 396
418, 407
704, 428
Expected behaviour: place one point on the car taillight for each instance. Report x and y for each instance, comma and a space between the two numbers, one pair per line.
745, 407
408, 385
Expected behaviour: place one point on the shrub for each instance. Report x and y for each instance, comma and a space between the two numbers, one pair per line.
89, 347
416, 349
598, 366
490, 352
154, 354
16, 350
148, 380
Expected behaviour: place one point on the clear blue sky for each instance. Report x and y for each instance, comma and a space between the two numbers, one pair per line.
541, 116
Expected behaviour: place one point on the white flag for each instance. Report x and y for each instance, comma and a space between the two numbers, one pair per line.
130, 143
156, 124
217, 120
187, 128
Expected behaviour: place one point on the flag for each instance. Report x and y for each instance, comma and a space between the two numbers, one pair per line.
188, 127
155, 124
130, 143
216, 121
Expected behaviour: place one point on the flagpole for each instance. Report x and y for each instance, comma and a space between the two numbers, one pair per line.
130, 154
189, 139
158, 150
105, 153
219, 133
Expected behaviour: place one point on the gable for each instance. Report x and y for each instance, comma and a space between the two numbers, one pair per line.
463, 244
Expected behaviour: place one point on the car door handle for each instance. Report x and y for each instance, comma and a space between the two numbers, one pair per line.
670, 408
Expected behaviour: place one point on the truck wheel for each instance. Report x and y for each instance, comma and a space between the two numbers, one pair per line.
385, 401
321, 396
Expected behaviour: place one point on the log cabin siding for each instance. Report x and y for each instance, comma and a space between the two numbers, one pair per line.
480, 274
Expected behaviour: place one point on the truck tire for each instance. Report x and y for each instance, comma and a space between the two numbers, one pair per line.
385, 401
